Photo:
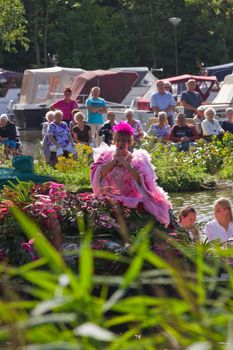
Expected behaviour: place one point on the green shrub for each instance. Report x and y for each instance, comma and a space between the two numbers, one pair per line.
226, 171
76, 180
45, 305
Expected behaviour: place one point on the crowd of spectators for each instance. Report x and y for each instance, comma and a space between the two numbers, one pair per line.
66, 126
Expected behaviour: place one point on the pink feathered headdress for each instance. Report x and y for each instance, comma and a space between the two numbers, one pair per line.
124, 127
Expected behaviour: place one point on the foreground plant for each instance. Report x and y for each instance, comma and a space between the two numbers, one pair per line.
164, 306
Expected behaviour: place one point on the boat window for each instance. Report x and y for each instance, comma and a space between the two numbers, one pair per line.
42, 89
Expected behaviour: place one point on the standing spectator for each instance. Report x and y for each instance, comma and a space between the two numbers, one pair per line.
45, 139
183, 134
221, 228
190, 99
61, 142
160, 130
81, 131
210, 126
198, 119
187, 220
66, 105
96, 108
106, 130
227, 125
136, 124
163, 101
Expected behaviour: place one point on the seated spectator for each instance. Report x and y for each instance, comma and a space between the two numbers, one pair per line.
72, 122
81, 132
227, 125
160, 130
198, 119
187, 219
136, 124
210, 126
49, 117
183, 134
8, 136
45, 141
106, 130
221, 228
61, 142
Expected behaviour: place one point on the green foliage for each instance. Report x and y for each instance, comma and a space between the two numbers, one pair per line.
188, 171
165, 306
175, 170
12, 24
227, 169
18, 193
74, 180
103, 34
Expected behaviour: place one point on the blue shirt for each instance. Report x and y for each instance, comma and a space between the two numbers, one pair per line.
227, 126
95, 118
193, 98
162, 101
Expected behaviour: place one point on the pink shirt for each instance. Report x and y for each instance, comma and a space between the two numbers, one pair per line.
66, 108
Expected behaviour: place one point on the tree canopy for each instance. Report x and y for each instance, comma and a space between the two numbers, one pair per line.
12, 24
95, 34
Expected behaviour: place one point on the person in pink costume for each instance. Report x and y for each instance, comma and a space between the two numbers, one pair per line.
128, 177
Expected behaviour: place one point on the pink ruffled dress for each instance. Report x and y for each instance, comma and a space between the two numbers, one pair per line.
120, 184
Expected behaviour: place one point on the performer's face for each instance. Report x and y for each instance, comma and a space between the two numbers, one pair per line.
122, 143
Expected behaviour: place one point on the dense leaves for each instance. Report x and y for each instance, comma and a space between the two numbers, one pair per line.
12, 24
102, 34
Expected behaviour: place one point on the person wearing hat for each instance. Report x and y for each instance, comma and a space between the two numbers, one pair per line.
66, 105
190, 99
227, 125
198, 119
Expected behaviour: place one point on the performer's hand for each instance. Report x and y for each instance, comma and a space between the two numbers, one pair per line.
123, 162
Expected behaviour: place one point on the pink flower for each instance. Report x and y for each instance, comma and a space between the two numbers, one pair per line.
173, 234
27, 247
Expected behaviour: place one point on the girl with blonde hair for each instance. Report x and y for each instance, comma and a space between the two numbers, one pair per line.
221, 227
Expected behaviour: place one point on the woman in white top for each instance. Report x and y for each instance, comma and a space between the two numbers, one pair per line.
222, 227
210, 126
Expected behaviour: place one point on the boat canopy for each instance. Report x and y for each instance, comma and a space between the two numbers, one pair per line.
45, 85
114, 85
8, 80
225, 94
221, 70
